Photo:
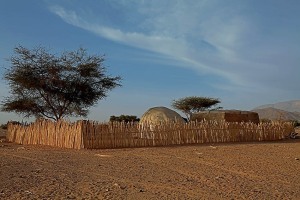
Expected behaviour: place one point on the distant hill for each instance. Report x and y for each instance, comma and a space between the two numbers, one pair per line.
277, 114
290, 106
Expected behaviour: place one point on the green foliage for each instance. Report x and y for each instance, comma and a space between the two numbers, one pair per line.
45, 85
296, 123
193, 104
124, 118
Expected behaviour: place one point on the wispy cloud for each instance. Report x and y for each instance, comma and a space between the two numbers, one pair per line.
213, 37
170, 45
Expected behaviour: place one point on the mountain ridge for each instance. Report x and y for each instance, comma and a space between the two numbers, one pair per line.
290, 106
287, 110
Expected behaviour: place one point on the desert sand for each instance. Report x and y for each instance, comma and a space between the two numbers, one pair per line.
265, 170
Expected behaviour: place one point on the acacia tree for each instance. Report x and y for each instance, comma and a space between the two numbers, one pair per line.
193, 104
43, 84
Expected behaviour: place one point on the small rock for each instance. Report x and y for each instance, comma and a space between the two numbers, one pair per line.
256, 190
116, 185
142, 190
189, 179
71, 197
36, 171
119, 186
103, 156
20, 148
27, 192
123, 187
296, 158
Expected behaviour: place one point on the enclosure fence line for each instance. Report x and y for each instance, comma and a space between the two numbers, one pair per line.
59, 134
97, 135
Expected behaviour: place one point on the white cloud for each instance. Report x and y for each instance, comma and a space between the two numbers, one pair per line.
175, 47
214, 37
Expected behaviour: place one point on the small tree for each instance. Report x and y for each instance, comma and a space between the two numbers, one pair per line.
190, 105
45, 85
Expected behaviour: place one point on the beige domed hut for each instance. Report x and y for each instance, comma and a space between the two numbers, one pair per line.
158, 115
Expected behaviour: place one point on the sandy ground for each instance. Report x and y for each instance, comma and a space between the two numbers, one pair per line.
214, 171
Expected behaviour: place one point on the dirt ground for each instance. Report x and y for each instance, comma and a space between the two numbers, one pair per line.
268, 170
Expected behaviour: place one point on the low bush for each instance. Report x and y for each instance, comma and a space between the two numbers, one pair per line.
296, 123
3, 126
124, 118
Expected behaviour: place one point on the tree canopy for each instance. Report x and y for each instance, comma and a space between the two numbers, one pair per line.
51, 86
193, 104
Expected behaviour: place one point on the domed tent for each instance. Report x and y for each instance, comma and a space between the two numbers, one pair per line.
158, 115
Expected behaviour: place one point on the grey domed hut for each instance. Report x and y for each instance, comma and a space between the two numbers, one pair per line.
158, 115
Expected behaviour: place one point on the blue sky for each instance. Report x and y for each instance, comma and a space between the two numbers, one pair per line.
247, 53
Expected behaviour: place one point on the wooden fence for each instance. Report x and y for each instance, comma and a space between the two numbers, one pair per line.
58, 134
96, 135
